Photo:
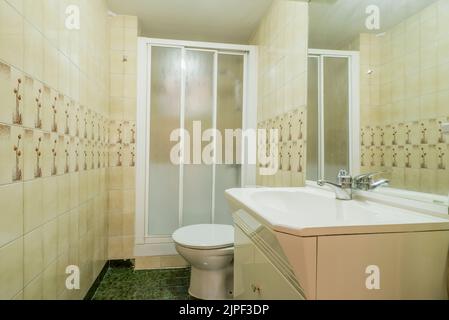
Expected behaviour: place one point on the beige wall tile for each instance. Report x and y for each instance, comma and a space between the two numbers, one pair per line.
412, 96
6, 93
117, 22
129, 109
130, 86
34, 41
11, 219
115, 225
116, 201
117, 63
129, 178
33, 206
115, 178
11, 35
33, 255
83, 186
128, 225
117, 41
50, 197
128, 247
63, 183
82, 220
129, 201
74, 238
50, 282
74, 190
51, 58
130, 39
6, 155
282, 73
130, 66
34, 290
61, 276
32, 158
115, 248
11, 273
63, 233
50, 242
33, 59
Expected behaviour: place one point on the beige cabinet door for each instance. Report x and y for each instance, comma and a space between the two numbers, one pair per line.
256, 278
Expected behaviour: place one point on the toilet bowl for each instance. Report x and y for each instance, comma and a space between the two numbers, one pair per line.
210, 251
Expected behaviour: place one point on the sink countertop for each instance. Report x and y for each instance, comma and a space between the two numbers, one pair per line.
308, 212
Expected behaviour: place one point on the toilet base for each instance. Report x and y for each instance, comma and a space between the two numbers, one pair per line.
212, 284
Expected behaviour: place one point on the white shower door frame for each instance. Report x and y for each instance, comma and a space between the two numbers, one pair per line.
145, 244
353, 58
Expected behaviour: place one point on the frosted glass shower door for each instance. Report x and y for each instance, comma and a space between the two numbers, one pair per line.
193, 90
199, 107
229, 116
163, 196
329, 114
335, 116
313, 105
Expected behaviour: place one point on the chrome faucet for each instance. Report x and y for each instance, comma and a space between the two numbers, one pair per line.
343, 188
366, 182
346, 184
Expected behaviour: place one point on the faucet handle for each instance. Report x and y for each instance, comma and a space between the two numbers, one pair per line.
366, 181
369, 175
344, 178
343, 173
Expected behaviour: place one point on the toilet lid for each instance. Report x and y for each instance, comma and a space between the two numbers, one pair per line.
205, 236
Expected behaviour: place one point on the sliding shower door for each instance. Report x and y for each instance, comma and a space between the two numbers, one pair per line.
199, 102
332, 115
165, 116
335, 116
192, 90
229, 116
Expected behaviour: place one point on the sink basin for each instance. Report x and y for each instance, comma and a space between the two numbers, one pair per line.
328, 248
315, 212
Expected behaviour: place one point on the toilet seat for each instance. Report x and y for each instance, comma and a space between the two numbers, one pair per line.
205, 236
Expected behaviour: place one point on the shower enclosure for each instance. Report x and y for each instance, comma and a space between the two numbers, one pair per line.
333, 114
186, 88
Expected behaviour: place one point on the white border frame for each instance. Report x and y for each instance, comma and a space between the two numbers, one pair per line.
354, 104
160, 246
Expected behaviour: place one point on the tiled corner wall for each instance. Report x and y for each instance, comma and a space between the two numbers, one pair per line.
122, 136
405, 98
54, 114
282, 38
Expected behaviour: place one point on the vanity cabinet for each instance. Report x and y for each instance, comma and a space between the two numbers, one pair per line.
261, 271
255, 276
271, 265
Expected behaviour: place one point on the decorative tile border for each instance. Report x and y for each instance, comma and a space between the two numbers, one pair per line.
292, 147
415, 153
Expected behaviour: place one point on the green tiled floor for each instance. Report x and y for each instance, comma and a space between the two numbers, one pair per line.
123, 283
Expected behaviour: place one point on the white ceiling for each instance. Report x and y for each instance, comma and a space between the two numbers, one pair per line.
229, 21
335, 22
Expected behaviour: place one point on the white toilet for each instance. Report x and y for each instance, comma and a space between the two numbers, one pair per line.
210, 250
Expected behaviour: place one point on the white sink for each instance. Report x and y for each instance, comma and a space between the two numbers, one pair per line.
315, 212
328, 248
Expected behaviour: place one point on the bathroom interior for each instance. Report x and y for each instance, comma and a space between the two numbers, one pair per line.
112, 187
